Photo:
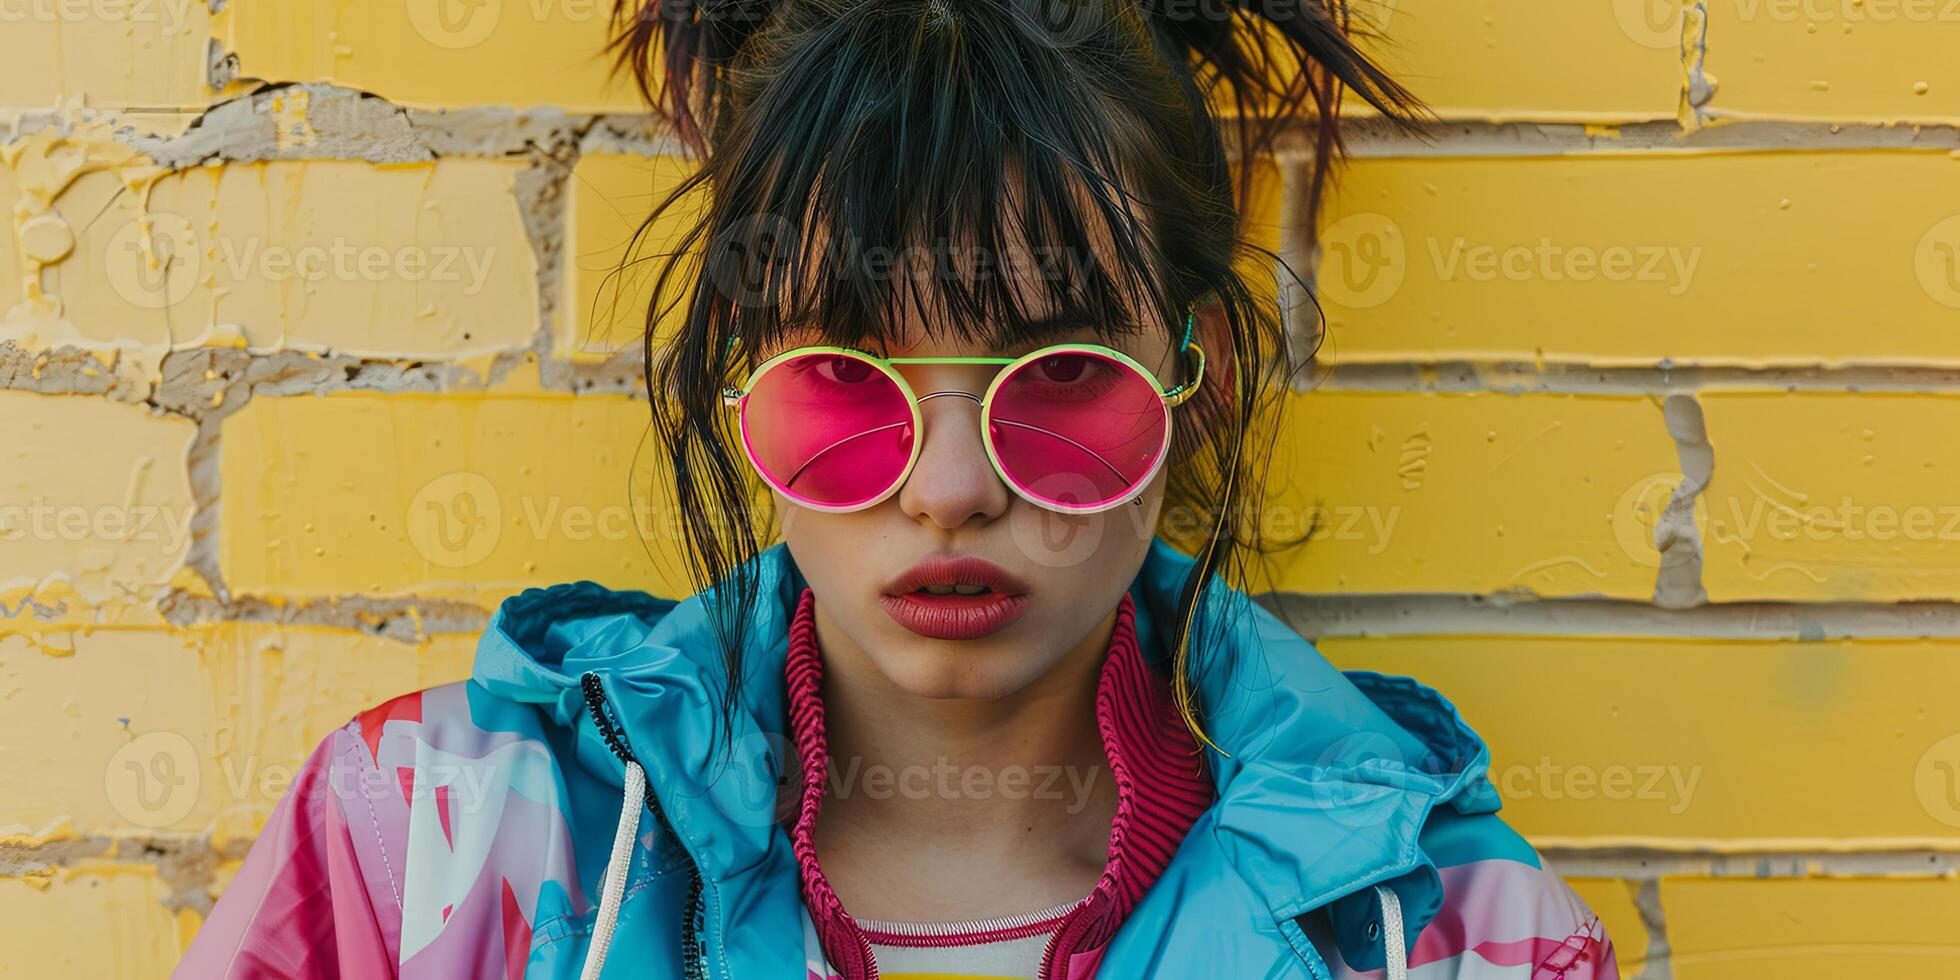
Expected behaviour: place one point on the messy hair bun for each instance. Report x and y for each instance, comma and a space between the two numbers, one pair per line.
1272, 61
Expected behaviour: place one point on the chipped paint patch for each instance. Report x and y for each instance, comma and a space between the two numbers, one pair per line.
1677, 538
1697, 85
43, 166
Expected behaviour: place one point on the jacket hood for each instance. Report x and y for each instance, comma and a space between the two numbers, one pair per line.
1324, 778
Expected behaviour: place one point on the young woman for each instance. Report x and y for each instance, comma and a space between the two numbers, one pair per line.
969, 319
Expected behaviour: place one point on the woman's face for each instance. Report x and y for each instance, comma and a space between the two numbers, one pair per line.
1055, 579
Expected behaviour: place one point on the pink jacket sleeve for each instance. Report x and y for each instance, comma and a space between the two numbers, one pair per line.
300, 906
1503, 915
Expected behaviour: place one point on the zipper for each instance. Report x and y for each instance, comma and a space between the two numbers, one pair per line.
1048, 954
694, 952
1004, 923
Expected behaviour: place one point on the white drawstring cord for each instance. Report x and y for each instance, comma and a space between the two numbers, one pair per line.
614, 890
1394, 949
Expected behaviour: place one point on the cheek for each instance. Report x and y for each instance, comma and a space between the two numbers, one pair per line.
833, 547
1071, 550
808, 532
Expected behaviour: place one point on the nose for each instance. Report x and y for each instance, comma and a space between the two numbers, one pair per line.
952, 483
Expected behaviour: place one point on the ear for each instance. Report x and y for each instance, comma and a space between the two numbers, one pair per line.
1213, 333
1218, 392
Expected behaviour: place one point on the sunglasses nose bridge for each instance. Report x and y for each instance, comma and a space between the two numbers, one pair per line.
955, 392
973, 397
923, 399
952, 480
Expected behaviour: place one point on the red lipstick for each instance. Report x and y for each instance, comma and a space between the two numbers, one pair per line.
955, 598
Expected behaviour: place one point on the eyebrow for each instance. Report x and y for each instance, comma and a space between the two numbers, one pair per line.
1055, 322
1048, 328
1040, 332
1045, 330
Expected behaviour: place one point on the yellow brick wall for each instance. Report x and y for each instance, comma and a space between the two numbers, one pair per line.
1632, 431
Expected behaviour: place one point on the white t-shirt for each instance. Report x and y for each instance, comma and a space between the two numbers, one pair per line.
1005, 948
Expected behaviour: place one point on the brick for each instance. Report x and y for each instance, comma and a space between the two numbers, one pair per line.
143, 732
95, 507
106, 922
1691, 258
1466, 493
611, 194
1811, 929
467, 497
1827, 496
1613, 901
121, 53
1680, 743
417, 260
426, 53
1542, 60
1837, 60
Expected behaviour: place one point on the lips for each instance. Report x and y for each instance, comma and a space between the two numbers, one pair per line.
954, 597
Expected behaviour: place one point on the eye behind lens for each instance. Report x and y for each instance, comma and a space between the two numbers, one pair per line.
1063, 368
845, 369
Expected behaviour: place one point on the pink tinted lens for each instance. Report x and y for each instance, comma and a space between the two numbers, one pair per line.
828, 429
1078, 429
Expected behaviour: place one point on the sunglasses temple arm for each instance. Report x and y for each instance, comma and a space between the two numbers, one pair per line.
819, 454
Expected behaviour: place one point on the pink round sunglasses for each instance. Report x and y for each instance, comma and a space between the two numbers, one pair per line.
1076, 428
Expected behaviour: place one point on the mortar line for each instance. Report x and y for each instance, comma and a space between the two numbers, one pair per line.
1795, 861
1657, 961
351, 125
1518, 376
411, 620
1345, 616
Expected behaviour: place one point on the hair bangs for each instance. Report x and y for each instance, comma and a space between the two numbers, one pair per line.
950, 185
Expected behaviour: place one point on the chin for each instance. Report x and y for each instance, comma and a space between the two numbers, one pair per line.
961, 669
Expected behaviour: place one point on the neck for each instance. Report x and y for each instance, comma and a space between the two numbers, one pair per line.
1028, 766
975, 852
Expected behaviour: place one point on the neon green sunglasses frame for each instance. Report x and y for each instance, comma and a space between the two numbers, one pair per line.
1172, 396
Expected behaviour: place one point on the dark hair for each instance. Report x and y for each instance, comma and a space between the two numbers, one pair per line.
832, 133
